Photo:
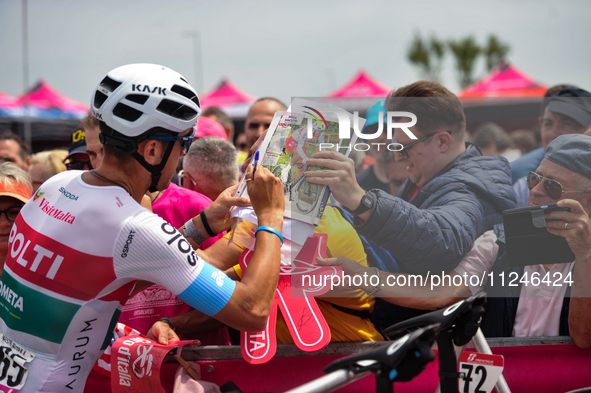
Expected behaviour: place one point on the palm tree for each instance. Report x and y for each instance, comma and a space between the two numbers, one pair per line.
466, 51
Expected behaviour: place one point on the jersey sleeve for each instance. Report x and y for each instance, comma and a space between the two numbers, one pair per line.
148, 248
479, 261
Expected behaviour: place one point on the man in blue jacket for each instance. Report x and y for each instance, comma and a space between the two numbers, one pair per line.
452, 195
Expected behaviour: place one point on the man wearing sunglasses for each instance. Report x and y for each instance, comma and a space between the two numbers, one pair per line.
550, 307
567, 112
77, 158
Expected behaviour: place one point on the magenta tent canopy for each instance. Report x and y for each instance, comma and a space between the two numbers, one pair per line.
505, 80
228, 98
45, 102
7, 101
362, 85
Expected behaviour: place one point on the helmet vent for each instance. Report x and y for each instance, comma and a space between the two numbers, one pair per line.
186, 93
137, 98
126, 112
99, 99
109, 84
176, 110
184, 80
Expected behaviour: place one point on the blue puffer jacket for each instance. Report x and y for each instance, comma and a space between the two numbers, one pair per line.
438, 227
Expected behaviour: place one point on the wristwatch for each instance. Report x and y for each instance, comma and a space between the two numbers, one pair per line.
367, 202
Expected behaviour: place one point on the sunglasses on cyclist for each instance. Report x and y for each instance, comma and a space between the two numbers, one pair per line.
404, 152
185, 140
78, 165
11, 213
553, 188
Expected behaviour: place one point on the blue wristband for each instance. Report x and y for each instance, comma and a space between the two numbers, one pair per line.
269, 229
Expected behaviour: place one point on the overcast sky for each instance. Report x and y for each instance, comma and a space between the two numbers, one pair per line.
282, 49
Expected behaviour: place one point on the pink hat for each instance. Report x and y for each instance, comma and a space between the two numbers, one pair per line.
207, 127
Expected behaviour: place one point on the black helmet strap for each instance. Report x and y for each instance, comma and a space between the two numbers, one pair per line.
155, 170
129, 146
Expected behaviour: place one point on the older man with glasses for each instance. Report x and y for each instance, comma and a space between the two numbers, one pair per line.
555, 306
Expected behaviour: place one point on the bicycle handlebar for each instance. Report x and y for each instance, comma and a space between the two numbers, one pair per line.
399, 361
463, 317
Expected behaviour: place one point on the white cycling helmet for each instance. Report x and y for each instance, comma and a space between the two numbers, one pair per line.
135, 98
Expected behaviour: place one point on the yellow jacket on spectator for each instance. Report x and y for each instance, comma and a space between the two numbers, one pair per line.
347, 317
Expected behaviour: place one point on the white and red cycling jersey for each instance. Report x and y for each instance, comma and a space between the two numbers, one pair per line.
75, 252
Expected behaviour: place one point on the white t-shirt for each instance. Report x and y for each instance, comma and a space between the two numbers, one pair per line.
540, 305
75, 252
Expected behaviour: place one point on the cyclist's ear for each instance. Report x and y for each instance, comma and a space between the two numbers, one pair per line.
152, 151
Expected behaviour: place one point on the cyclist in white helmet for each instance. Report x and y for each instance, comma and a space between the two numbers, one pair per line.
82, 241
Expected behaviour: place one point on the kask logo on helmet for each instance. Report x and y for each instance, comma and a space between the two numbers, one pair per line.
148, 89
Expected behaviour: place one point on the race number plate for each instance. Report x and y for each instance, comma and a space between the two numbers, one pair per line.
481, 372
13, 372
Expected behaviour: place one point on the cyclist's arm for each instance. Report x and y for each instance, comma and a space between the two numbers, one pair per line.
190, 323
222, 254
160, 254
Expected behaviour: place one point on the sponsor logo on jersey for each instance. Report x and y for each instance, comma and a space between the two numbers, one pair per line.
127, 244
182, 243
218, 277
119, 203
11, 297
68, 194
56, 213
38, 195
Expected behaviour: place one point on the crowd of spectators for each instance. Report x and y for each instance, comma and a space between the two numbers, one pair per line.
435, 207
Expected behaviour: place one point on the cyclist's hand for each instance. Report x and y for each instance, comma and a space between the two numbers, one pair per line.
162, 333
339, 174
218, 213
266, 196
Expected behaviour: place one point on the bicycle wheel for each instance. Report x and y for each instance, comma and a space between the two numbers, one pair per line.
306, 196
277, 170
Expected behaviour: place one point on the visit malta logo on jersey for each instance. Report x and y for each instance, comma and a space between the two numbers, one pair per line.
52, 211
38, 195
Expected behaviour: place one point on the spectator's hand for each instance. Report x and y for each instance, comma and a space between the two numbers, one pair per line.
253, 149
162, 333
578, 229
339, 175
350, 268
218, 213
266, 196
